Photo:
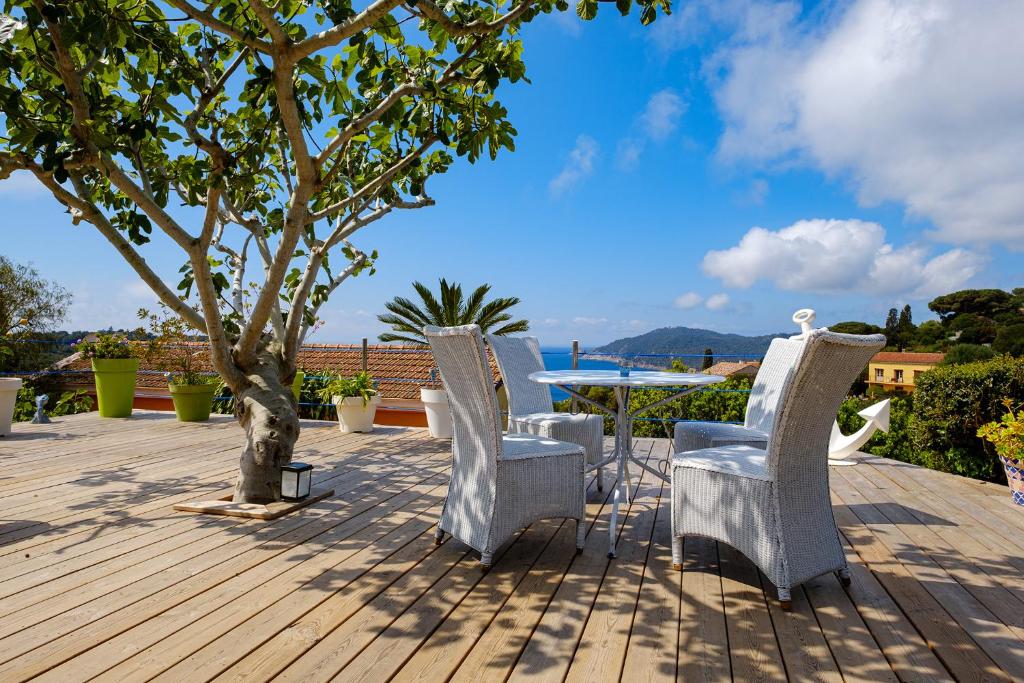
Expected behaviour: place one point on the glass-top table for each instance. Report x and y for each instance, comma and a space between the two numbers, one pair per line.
683, 383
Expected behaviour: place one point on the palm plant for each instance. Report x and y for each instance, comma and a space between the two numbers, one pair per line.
407, 319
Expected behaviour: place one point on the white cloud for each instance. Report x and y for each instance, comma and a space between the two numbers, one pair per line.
919, 102
757, 192
840, 256
660, 118
578, 166
656, 122
627, 153
583, 320
115, 305
688, 300
717, 302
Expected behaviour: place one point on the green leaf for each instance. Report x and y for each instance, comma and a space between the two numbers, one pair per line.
586, 9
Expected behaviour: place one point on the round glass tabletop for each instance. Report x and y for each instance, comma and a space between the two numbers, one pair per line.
636, 378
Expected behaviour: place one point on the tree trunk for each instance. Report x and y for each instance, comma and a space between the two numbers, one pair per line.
267, 411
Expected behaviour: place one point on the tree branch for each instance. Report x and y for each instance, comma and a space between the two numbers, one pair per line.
345, 204
345, 30
269, 21
84, 209
431, 11
357, 263
211, 22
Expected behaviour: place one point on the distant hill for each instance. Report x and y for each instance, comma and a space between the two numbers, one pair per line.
690, 340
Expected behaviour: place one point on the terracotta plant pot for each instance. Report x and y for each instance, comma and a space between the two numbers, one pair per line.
1014, 468
115, 385
353, 415
8, 398
192, 402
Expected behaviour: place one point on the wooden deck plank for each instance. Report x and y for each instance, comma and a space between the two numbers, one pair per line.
549, 653
101, 580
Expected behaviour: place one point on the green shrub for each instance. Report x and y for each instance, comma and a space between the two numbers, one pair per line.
725, 402
967, 353
68, 403
952, 402
897, 442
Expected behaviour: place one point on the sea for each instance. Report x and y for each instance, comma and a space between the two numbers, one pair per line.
560, 358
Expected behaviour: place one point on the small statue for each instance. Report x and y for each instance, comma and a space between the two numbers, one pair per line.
40, 417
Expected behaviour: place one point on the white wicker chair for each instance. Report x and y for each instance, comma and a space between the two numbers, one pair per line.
764, 397
773, 505
499, 484
530, 409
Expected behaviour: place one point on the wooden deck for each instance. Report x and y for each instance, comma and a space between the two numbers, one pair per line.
102, 580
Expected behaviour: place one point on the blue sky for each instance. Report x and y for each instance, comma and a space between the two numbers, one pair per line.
718, 169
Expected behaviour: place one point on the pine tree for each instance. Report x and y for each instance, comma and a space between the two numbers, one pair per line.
892, 327
905, 328
709, 359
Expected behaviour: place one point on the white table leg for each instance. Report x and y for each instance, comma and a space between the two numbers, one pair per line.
622, 453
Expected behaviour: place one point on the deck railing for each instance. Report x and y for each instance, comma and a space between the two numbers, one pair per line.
574, 358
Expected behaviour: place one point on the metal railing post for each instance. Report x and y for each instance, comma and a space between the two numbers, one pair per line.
575, 366
365, 355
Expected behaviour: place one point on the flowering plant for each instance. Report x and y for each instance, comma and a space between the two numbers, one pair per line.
106, 346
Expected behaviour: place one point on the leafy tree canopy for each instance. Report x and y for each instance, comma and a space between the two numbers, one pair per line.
28, 302
983, 302
855, 327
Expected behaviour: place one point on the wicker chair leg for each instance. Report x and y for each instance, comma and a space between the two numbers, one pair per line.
600, 479
785, 599
438, 535
581, 534
677, 553
486, 560
844, 576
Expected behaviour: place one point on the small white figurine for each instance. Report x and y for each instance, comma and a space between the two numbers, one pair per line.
40, 417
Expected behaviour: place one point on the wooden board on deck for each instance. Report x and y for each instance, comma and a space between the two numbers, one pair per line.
105, 580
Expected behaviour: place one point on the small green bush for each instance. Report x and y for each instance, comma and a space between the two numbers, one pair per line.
897, 442
725, 402
952, 402
68, 403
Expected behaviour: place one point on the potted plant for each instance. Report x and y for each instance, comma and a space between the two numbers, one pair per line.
355, 399
173, 348
1007, 435
9, 387
435, 404
114, 366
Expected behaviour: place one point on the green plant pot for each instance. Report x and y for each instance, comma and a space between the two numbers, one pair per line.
300, 376
115, 385
192, 402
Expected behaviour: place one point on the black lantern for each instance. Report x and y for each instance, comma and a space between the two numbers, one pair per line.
296, 480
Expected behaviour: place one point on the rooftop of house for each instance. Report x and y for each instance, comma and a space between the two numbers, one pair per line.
908, 357
400, 371
727, 368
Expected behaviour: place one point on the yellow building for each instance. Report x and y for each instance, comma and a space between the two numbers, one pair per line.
898, 371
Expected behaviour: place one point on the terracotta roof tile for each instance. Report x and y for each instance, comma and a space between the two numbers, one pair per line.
727, 368
908, 357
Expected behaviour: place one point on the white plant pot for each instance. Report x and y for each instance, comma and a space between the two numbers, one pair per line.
439, 415
8, 397
353, 415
